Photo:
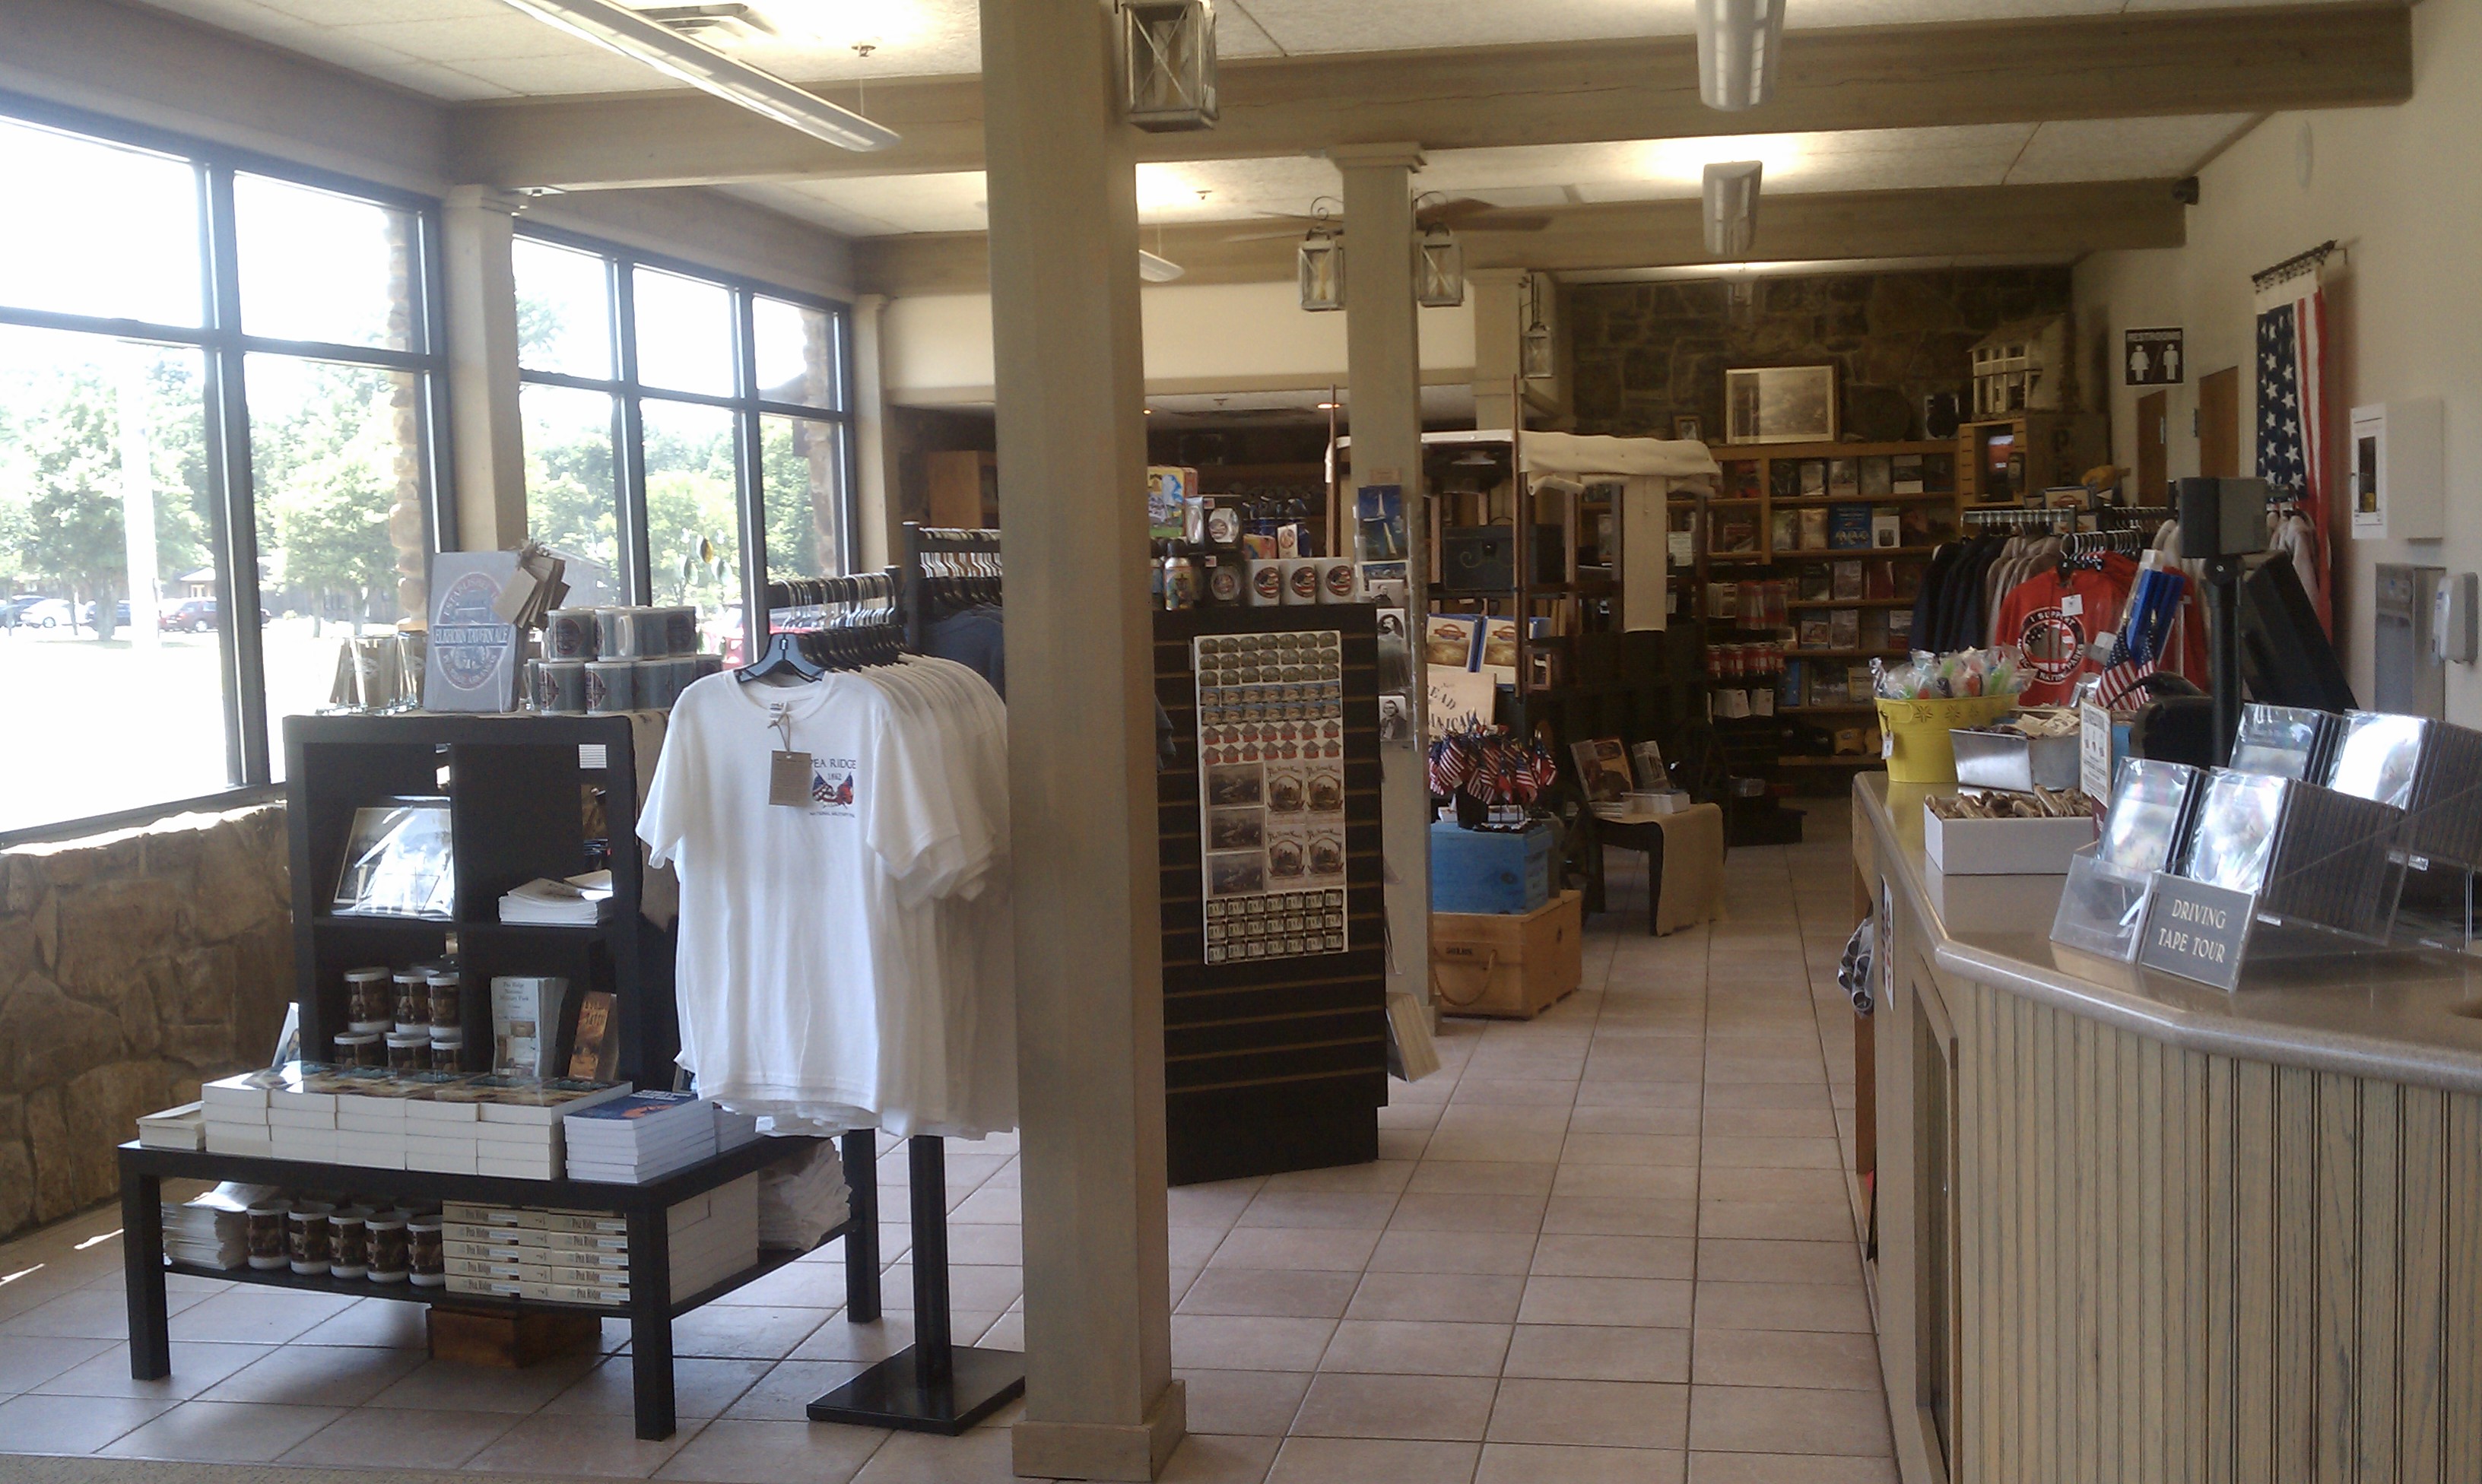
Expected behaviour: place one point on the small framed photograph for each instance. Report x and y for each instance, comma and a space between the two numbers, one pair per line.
1689, 429
1780, 404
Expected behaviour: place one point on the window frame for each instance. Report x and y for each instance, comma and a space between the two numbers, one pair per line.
748, 411
224, 348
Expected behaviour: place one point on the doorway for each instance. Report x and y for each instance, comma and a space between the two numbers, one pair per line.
2219, 425
2154, 445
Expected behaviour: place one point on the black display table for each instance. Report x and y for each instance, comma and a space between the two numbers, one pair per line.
651, 1308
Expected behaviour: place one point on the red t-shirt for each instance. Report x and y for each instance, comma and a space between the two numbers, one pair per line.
2053, 622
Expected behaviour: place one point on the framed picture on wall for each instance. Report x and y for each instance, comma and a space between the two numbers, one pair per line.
1689, 429
1780, 404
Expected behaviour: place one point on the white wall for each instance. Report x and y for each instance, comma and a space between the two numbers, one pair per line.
1222, 337
2400, 189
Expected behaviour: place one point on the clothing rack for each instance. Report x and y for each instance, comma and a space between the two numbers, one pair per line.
936, 557
2136, 516
2049, 517
932, 1385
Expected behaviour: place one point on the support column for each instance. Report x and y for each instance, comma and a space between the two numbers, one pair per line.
1384, 369
1101, 1401
1498, 300
876, 541
478, 233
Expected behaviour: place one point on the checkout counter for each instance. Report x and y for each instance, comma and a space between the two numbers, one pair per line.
2132, 1228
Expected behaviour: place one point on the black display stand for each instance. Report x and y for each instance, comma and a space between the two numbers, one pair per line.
1281, 1063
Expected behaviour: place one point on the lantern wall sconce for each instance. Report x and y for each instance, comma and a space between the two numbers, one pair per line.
1438, 268
1168, 49
1320, 260
1534, 345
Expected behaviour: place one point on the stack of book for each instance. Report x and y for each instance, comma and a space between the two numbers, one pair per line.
579, 901
175, 1128
582, 1257
446, 1122
212, 1230
641, 1137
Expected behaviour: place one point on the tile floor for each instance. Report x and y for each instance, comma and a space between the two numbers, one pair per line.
1614, 1243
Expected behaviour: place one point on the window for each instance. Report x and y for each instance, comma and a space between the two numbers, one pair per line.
671, 417
217, 391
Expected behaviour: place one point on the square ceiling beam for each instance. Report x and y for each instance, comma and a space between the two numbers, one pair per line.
2060, 223
2150, 65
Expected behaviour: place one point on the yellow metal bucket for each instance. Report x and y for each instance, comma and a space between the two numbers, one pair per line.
1919, 750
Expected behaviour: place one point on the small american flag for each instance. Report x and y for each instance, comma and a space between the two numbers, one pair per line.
2120, 682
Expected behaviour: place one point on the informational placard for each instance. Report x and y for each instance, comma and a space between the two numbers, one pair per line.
1271, 793
2196, 930
2153, 357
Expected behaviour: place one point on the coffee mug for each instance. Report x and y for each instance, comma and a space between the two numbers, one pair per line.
1300, 581
1266, 586
1336, 582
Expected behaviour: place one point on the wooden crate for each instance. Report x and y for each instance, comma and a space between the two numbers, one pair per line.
1508, 965
511, 1339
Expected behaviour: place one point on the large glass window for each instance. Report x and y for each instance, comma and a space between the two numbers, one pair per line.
179, 443
669, 413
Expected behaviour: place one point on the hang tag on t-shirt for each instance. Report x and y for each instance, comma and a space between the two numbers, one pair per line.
2074, 604
789, 779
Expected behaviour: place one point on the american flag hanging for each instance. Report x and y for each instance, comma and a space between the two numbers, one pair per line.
2292, 404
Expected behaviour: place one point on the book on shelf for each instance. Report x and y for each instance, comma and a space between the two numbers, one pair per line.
1874, 628
1826, 685
1908, 576
595, 1046
1900, 628
1784, 479
1848, 527
1815, 583
1842, 482
1812, 631
1813, 479
1783, 530
1876, 479
1858, 685
1813, 528
1879, 580
1843, 628
1737, 533
1788, 683
1602, 769
1917, 526
1904, 475
1887, 529
1741, 479
1847, 579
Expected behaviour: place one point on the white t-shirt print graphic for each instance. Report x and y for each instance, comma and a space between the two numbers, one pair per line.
832, 782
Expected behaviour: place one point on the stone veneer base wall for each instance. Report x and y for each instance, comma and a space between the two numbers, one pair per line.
133, 966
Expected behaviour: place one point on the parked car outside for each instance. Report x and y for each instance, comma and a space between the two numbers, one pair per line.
47, 614
119, 614
195, 616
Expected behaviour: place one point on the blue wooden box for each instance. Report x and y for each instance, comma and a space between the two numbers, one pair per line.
1490, 870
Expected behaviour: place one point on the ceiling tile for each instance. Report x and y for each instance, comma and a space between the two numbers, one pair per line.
592, 70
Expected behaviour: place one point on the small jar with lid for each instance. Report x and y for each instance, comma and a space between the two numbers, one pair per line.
447, 989
408, 1050
447, 1050
308, 1239
349, 1241
389, 1258
368, 1000
426, 1259
412, 1000
264, 1231
360, 1049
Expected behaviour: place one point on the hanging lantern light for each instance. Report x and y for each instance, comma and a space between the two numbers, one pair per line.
1168, 49
1534, 346
1438, 268
1740, 43
1730, 192
1321, 261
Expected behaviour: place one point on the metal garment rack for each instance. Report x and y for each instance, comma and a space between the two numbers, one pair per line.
932, 553
932, 1385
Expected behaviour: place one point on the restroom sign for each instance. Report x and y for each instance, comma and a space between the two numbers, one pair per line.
2153, 357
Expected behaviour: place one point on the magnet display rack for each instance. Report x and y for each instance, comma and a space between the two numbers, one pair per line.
932, 1385
521, 790
1277, 1063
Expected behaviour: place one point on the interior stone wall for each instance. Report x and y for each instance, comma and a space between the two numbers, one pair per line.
1644, 354
133, 966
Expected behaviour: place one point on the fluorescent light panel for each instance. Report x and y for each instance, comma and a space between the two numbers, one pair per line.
623, 30
1157, 270
1731, 201
1739, 43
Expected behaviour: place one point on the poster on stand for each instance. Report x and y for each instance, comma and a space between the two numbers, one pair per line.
1271, 793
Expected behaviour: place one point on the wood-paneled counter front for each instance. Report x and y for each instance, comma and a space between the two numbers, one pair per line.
2132, 1229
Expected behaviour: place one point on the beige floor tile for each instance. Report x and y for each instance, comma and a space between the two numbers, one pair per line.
1324, 1209
387, 1323
1565, 1254
1406, 1118
1788, 1358
1805, 1222
1820, 1186
1401, 1143
1537, 1092
1830, 1308
1754, 1094
1594, 1414
1768, 1123
584, 1444
313, 1375
1766, 1069
1503, 1145
1623, 1216
27, 1362
1598, 1352
78, 1314
1372, 1461
1402, 1251
1623, 1094
990, 1204
1268, 1291
403, 1440
1260, 1402
1220, 1342
1469, 1298
1478, 1177
1191, 1247
736, 1452
1788, 1469
1634, 1120
254, 1316
448, 1387
1736, 1260
73, 1424
1772, 1420
1438, 1408
1627, 1181
1639, 1067
1203, 1459
1382, 1175
841, 1339
1727, 1152
1535, 1463
197, 1367
1668, 1149
702, 1387
1622, 1301
769, 1334
1296, 1249
1467, 1213
787, 1388
1416, 1347
224, 1432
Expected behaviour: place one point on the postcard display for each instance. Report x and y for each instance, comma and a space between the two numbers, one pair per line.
1273, 929
1271, 807
2301, 847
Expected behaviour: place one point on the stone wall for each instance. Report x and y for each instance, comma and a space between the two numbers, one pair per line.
1646, 353
133, 966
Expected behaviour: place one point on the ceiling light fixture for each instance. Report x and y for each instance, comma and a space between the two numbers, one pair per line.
1732, 200
1167, 52
1438, 268
1534, 347
1739, 43
1157, 270
623, 30
1320, 263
